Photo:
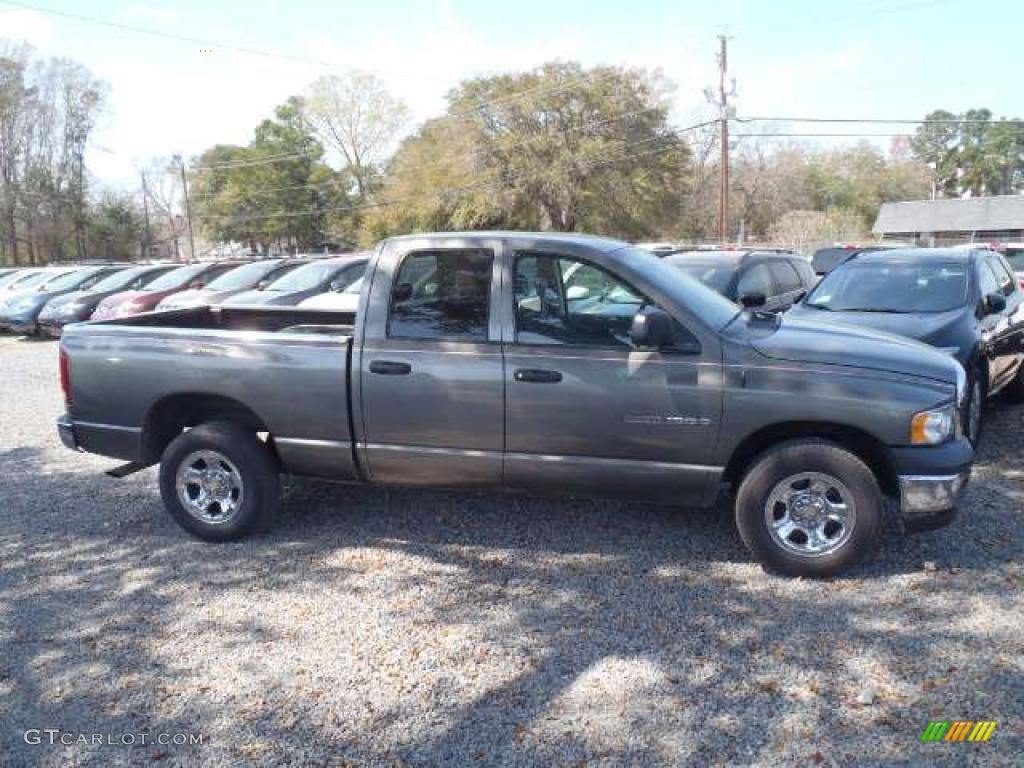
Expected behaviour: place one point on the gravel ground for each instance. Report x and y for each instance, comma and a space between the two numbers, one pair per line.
381, 627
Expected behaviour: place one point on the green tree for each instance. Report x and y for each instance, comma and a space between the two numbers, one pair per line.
558, 148
276, 190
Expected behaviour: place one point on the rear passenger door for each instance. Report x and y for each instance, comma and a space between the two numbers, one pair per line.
1002, 330
430, 379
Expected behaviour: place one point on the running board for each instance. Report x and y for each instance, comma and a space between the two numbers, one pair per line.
126, 469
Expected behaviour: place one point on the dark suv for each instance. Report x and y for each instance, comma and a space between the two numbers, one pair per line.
965, 302
771, 280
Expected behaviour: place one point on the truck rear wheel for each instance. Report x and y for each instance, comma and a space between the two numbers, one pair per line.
219, 482
809, 508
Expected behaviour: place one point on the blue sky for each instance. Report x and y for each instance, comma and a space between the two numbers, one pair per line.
876, 59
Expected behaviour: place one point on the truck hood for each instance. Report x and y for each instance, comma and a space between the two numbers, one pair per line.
922, 326
798, 339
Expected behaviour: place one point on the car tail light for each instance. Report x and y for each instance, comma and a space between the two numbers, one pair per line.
65, 377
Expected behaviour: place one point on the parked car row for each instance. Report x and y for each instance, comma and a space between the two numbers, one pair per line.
43, 300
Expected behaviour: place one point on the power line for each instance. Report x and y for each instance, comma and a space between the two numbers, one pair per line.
876, 121
468, 113
1013, 132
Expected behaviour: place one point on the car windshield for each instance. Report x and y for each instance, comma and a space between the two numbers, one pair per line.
34, 281
69, 280
245, 276
305, 278
176, 278
119, 280
892, 287
715, 275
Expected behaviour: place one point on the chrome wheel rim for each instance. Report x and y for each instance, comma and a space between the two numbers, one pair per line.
209, 487
974, 412
810, 514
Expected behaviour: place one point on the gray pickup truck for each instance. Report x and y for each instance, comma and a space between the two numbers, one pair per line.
548, 363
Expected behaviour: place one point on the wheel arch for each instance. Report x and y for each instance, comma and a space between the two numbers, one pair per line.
864, 445
169, 416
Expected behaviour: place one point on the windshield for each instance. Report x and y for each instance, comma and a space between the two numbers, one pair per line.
243, 277
715, 276
14, 279
119, 280
176, 278
892, 287
69, 280
710, 306
305, 278
356, 287
36, 280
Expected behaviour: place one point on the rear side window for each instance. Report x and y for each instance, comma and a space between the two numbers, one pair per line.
806, 272
755, 279
442, 295
785, 276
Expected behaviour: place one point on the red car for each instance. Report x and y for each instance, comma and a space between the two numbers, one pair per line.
189, 277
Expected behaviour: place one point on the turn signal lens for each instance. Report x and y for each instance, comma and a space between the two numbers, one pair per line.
933, 427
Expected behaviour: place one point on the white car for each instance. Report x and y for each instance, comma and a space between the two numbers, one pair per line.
340, 301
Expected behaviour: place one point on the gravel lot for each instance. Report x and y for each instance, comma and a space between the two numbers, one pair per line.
387, 627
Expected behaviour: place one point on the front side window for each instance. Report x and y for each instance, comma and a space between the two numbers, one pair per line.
987, 279
755, 279
1003, 275
442, 295
563, 301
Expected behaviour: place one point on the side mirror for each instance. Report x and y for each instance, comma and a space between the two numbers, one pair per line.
195, 285
994, 302
752, 300
402, 292
262, 285
651, 329
338, 286
577, 292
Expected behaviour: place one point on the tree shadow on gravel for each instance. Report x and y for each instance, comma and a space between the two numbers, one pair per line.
599, 632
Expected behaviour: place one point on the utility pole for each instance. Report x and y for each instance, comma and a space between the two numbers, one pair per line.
188, 210
148, 247
723, 122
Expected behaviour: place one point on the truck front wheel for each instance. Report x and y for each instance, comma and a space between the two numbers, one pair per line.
809, 508
219, 482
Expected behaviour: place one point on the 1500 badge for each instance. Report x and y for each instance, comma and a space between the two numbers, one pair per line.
681, 421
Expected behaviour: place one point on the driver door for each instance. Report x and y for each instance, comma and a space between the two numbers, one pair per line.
587, 412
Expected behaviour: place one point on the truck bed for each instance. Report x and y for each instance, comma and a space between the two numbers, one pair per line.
266, 319
287, 368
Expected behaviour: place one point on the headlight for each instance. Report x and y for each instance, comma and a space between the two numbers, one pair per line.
933, 427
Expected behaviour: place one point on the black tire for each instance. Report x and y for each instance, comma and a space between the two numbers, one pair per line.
249, 465
766, 476
975, 391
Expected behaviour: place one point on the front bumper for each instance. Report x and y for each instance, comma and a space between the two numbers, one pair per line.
928, 501
22, 322
931, 480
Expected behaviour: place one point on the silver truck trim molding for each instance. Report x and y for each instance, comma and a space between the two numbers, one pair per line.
112, 427
314, 443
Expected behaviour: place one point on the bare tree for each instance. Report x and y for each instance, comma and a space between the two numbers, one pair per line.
357, 117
